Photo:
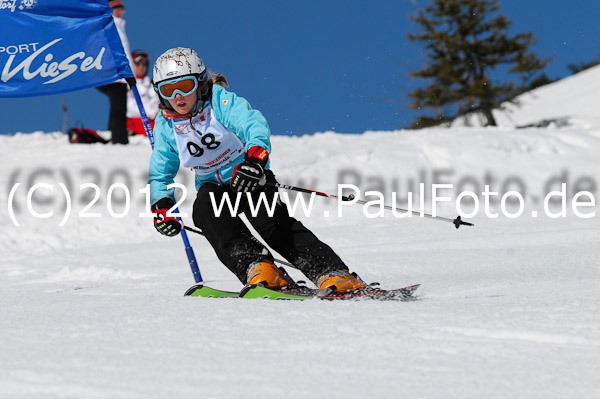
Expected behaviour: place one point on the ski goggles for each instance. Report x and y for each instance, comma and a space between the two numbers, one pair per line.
140, 57
184, 85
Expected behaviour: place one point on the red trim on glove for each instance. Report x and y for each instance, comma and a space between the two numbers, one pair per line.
258, 153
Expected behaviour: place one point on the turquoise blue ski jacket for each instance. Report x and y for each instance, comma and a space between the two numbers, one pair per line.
234, 113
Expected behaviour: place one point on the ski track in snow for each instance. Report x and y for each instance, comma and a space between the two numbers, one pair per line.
508, 308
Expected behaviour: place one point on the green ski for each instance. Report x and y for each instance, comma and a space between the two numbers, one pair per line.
207, 292
258, 291
303, 293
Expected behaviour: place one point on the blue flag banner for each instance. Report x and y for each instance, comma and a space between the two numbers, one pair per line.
58, 46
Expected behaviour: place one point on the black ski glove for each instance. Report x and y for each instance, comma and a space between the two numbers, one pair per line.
165, 225
247, 175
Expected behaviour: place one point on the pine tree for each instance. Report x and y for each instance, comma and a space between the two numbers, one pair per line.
465, 41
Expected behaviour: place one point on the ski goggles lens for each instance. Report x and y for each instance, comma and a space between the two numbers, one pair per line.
184, 86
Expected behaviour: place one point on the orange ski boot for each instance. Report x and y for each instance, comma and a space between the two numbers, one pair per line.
266, 273
339, 281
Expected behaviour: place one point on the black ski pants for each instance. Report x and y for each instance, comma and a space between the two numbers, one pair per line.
117, 120
237, 248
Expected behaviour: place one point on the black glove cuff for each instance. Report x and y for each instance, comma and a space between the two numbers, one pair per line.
163, 203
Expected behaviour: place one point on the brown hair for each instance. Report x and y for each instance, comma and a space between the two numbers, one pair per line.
218, 79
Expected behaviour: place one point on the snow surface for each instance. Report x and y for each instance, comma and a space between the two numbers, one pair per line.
508, 308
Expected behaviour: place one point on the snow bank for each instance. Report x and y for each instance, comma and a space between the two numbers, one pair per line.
572, 101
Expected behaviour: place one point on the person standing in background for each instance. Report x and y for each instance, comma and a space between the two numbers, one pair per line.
117, 91
147, 94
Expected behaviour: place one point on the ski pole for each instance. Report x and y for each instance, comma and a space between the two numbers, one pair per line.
457, 222
186, 242
275, 259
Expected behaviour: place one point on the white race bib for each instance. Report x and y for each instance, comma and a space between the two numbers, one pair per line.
204, 144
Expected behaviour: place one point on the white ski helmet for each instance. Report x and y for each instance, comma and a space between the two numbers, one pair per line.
176, 62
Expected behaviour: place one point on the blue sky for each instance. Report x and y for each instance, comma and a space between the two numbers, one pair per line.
310, 66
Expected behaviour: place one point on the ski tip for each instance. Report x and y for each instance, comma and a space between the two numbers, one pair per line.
412, 288
193, 289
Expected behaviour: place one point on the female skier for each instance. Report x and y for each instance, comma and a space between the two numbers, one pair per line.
227, 144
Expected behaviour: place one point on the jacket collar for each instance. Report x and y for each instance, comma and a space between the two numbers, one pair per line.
200, 105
